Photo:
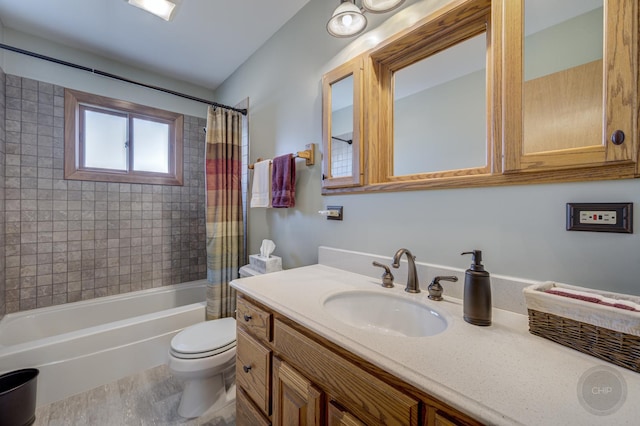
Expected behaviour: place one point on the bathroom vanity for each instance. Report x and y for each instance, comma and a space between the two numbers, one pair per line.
300, 363
294, 376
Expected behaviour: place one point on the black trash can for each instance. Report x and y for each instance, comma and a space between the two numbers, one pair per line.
18, 397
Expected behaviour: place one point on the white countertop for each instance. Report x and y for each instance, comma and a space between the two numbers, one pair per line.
499, 374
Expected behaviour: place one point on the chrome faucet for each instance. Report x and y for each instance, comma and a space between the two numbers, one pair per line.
412, 277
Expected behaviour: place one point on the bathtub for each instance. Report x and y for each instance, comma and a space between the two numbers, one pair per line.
79, 346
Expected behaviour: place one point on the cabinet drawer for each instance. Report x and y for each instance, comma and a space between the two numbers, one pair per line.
246, 413
253, 370
253, 318
367, 397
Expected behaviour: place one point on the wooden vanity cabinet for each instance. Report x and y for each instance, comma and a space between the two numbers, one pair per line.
288, 375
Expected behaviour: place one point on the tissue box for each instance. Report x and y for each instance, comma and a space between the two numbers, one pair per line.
265, 265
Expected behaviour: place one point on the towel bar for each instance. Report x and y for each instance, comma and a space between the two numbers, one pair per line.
308, 154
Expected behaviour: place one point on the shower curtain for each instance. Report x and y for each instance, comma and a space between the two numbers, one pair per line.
225, 230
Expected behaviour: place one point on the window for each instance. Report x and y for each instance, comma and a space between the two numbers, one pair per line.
110, 140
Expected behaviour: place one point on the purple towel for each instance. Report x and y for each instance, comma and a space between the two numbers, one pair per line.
283, 181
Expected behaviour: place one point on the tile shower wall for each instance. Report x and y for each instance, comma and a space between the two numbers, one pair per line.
2, 202
72, 240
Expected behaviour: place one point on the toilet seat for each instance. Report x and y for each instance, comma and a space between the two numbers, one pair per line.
205, 339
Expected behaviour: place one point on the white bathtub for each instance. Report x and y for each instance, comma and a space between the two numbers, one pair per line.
82, 345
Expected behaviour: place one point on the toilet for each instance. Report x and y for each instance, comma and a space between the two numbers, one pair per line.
203, 356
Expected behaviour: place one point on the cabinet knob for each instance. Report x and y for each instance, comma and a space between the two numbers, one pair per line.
247, 317
617, 137
246, 368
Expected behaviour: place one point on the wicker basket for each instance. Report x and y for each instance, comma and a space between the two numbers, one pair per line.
605, 332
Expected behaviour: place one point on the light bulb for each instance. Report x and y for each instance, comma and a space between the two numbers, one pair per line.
347, 20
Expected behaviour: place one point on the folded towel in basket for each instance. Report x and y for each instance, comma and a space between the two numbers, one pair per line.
594, 298
625, 304
580, 295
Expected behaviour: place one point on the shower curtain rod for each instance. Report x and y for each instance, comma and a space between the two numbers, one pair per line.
117, 77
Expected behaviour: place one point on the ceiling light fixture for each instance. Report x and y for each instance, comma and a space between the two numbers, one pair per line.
348, 19
161, 8
381, 6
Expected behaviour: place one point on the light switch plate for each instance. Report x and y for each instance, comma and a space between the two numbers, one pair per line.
600, 217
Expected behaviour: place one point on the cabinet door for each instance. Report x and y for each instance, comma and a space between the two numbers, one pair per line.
337, 416
569, 90
296, 401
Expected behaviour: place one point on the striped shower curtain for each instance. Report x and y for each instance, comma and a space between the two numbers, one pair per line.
225, 231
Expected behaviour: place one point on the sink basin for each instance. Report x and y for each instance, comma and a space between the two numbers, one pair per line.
382, 313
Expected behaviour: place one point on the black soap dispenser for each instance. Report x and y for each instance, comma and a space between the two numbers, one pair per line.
477, 292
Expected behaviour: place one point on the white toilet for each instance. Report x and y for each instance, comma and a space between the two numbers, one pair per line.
204, 355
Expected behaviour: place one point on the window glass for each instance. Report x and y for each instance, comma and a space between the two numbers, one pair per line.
105, 138
151, 146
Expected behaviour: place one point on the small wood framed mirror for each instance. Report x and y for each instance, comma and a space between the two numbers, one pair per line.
342, 125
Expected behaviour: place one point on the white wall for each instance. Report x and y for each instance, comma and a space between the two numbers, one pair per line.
521, 229
37, 69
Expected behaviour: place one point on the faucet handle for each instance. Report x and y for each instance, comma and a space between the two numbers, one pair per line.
387, 276
435, 289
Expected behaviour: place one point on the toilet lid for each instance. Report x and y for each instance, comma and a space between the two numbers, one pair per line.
205, 338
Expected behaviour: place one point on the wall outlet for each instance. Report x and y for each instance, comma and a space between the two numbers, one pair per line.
600, 217
335, 208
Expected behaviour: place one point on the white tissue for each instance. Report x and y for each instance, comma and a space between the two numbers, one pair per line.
267, 248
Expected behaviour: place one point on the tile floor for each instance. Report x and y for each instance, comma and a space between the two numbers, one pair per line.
147, 398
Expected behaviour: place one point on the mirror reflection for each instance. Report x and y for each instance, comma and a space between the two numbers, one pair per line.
440, 111
563, 74
342, 127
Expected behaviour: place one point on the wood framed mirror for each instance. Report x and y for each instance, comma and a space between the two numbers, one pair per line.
342, 118
433, 89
